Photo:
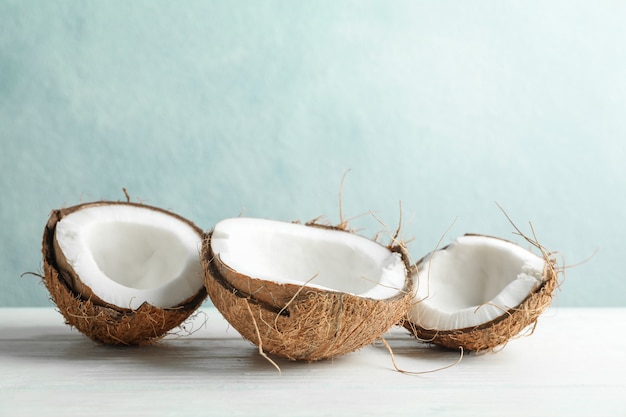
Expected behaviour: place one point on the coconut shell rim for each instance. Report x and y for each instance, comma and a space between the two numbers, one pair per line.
551, 281
56, 215
398, 248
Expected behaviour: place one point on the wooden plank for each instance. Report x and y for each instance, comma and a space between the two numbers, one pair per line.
47, 368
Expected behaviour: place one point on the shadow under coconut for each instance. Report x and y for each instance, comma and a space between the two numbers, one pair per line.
234, 356
47, 346
186, 355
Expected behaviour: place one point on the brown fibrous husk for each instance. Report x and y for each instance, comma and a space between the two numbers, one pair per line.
521, 319
298, 322
105, 323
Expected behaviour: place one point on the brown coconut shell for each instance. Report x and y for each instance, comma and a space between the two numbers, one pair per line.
497, 332
100, 321
300, 322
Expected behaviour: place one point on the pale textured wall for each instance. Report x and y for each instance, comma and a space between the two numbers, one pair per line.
211, 108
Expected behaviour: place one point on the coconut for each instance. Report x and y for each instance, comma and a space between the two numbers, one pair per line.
479, 292
122, 272
304, 291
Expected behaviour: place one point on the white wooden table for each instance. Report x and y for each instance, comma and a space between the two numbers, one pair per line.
573, 365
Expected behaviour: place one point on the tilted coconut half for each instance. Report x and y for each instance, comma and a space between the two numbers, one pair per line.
304, 292
479, 292
121, 272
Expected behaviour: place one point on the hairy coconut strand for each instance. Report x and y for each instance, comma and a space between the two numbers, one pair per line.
498, 332
101, 322
299, 322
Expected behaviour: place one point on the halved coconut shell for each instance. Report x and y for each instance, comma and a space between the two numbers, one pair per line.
103, 321
303, 317
479, 292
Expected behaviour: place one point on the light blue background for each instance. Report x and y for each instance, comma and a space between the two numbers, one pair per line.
217, 107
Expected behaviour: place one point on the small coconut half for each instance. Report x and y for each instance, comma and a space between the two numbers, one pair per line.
121, 272
304, 292
479, 292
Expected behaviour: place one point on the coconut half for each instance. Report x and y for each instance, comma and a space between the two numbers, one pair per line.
304, 292
479, 292
121, 272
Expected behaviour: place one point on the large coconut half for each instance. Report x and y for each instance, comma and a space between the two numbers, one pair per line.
479, 292
304, 292
122, 273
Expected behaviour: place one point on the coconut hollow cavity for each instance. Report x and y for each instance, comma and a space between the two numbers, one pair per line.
479, 292
304, 292
121, 272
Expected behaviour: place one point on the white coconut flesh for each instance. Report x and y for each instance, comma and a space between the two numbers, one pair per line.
289, 253
473, 281
129, 254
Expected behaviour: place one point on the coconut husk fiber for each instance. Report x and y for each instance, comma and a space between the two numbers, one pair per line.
102, 322
297, 322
